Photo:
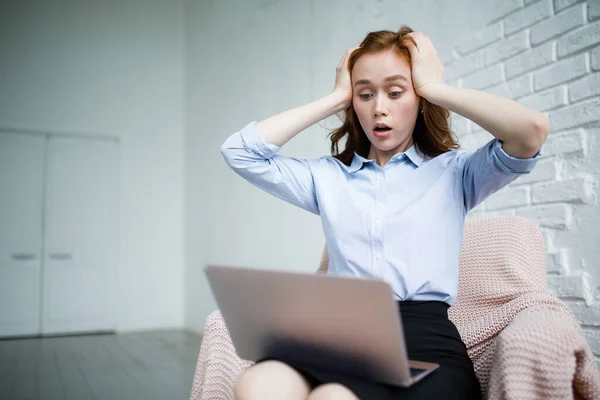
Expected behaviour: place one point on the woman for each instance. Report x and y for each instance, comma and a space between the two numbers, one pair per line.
392, 202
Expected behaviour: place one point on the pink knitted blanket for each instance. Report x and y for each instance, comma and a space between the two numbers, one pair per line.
524, 342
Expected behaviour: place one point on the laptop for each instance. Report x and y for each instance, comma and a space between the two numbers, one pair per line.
345, 325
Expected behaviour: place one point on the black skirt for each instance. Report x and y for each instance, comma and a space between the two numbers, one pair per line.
430, 336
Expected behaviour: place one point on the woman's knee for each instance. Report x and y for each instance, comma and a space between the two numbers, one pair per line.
271, 380
332, 391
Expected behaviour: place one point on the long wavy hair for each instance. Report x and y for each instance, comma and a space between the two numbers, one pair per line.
432, 133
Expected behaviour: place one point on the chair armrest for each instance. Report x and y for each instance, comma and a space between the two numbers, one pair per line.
218, 364
324, 263
542, 353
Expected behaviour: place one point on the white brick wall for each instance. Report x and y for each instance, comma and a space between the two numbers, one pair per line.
555, 216
558, 262
566, 143
498, 9
595, 59
484, 78
546, 100
594, 10
553, 27
527, 16
588, 86
572, 287
471, 63
561, 4
560, 72
505, 48
532, 59
509, 197
588, 35
576, 115
514, 88
481, 38
586, 315
576, 190
545, 54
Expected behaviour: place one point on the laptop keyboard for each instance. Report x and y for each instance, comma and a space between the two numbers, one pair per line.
415, 371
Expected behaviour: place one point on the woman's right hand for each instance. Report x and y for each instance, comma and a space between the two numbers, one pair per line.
343, 84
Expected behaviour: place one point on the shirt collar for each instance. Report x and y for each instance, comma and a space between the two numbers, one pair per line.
413, 154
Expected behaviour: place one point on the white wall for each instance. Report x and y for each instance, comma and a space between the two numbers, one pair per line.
247, 60
112, 68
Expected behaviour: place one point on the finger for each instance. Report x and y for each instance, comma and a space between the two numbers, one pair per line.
419, 37
419, 40
413, 46
411, 40
347, 54
427, 45
423, 42
344, 58
412, 49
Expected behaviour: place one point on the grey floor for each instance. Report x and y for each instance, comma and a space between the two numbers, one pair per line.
152, 365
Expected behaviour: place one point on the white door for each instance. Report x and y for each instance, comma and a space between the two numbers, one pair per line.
81, 235
21, 188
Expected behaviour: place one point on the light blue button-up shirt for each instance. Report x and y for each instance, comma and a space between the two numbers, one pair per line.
402, 223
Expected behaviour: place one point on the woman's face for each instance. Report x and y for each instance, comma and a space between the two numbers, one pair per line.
384, 100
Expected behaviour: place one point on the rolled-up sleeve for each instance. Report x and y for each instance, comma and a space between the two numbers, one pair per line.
291, 179
488, 169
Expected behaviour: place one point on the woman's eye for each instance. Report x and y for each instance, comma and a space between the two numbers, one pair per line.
367, 96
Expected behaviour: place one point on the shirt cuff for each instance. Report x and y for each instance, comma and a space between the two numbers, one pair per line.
254, 143
514, 164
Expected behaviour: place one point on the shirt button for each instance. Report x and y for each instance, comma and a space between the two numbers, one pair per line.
379, 206
377, 222
379, 179
377, 256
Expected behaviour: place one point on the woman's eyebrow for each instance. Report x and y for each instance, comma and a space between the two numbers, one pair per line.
389, 78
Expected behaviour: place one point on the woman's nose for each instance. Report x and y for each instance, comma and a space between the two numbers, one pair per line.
380, 106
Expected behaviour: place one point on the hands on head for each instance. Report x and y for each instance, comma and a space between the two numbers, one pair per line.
426, 67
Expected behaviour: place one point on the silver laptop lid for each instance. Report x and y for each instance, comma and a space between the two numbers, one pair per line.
296, 316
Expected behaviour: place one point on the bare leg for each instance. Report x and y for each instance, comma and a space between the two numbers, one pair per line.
332, 391
271, 380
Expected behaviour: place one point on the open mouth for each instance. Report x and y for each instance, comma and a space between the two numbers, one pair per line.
382, 129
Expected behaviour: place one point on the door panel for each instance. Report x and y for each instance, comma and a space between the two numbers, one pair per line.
21, 196
81, 235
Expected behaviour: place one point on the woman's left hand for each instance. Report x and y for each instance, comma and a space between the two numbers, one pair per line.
426, 67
